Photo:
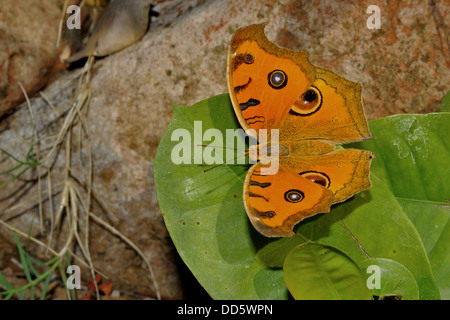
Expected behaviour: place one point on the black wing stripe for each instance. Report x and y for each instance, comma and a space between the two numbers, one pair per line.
250, 103
242, 87
254, 195
259, 184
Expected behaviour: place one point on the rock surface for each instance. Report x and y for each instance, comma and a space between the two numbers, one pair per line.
28, 53
404, 67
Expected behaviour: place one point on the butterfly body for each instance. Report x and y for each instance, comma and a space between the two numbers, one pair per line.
306, 111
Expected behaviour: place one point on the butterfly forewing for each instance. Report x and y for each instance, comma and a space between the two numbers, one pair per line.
264, 80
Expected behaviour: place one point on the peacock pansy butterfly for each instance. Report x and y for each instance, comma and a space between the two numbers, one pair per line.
313, 109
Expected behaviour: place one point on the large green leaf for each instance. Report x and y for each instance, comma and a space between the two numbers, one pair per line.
204, 212
371, 225
412, 158
313, 271
387, 278
205, 216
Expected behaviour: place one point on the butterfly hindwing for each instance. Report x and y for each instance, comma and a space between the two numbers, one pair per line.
276, 203
344, 172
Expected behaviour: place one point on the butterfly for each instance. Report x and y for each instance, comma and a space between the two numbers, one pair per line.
312, 110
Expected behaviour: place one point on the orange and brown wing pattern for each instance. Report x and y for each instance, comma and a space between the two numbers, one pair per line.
276, 203
314, 109
330, 110
303, 187
264, 80
344, 172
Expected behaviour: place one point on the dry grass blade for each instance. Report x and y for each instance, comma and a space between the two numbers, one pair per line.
35, 138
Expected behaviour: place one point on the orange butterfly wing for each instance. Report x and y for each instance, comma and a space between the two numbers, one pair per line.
344, 172
331, 111
264, 80
319, 181
275, 203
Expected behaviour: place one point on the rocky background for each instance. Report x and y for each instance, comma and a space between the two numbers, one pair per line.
404, 68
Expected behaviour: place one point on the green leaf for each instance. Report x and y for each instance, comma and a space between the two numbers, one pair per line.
45, 287
388, 278
316, 272
445, 106
23, 258
374, 225
4, 282
412, 155
412, 158
206, 219
22, 294
25, 265
204, 211
8, 296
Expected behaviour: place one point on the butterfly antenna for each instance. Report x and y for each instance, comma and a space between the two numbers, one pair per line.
228, 161
221, 164
205, 145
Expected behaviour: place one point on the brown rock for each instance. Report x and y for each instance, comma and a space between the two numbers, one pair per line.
28, 53
404, 66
